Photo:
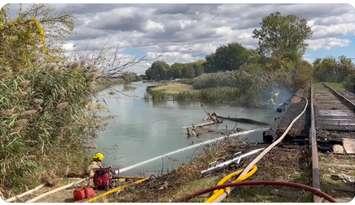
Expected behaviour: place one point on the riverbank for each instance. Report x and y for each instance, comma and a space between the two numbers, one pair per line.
290, 166
221, 88
124, 78
161, 125
184, 93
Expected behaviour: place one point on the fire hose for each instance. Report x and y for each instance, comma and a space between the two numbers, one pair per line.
260, 183
221, 196
218, 193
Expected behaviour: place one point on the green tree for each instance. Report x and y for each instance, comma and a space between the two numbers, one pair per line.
176, 70
332, 70
158, 71
198, 67
188, 71
282, 36
229, 57
302, 74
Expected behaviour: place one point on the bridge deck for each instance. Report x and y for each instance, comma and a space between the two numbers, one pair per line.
331, 113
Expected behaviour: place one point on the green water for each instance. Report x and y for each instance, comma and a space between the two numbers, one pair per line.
140, 130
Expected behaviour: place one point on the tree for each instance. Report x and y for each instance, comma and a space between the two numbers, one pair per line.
198, 67
302, 74
330, 69
188, 71
229, 57
282, 36
158, 71
176, 70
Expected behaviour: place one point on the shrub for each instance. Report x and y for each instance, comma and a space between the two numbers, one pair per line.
44, 118
211, 80
349, 82
332, 70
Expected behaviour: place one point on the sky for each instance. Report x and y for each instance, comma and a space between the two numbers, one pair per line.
189, 32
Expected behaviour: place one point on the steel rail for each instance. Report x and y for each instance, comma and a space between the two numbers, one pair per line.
345, 100
314, 149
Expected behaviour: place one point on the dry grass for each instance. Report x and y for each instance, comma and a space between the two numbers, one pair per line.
44, 122
280, 164
172, 88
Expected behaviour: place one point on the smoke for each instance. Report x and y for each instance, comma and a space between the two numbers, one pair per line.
276, 95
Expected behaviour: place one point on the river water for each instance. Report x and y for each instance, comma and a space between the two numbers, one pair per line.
139, 129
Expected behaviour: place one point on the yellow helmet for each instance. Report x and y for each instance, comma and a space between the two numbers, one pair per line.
98, 156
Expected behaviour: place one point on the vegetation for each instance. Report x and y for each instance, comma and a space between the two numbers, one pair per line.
333, 70
210, 95
336, 71
229, 57
349, 82
282, 37
210, 80
240, 75
160, 70
45, 108
124, 78
171, 88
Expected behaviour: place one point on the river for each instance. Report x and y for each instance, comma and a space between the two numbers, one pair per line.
139, 129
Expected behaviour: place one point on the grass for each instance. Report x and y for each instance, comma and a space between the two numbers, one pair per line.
195, 185
336, 86
182, 92
44, 120
279, 164
172, 88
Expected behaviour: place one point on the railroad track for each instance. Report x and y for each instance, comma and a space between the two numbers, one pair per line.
332, 120
333, 111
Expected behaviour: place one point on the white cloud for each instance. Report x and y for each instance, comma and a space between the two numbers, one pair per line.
68, 46
333, 30
172, 57
189, 32
224, 31
328, 43
152, 26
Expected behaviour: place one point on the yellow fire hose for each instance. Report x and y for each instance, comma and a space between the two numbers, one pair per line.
217, 193
116, 190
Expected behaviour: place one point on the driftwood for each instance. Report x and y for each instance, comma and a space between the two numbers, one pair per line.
243, 120
211, 120
201, 124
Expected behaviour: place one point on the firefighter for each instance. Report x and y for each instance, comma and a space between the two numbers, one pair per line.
96, 163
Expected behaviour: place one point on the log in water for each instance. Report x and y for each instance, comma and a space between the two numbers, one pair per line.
243, 120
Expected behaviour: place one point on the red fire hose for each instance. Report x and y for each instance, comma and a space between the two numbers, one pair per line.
261, 183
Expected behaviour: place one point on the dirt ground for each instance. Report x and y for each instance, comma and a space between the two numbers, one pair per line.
282, 163
337, 175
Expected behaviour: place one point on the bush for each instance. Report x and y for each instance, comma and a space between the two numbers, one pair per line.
210, 95
349, 82
302, 75
332, 70
43, 117
211, 80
